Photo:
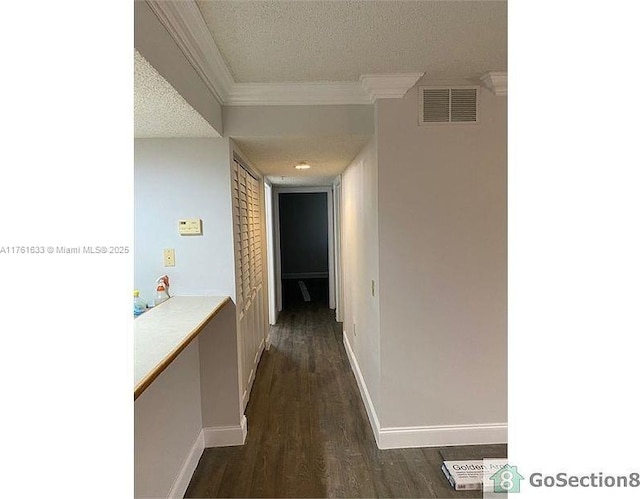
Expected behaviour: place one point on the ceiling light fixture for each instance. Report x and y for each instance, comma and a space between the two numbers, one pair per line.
303, 166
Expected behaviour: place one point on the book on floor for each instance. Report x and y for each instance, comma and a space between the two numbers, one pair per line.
470, 474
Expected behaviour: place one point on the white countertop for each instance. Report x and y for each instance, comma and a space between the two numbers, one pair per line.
161, 333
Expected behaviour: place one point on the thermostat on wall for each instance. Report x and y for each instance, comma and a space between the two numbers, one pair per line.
190, 227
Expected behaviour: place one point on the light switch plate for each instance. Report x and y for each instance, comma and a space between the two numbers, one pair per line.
190, 227
169, 257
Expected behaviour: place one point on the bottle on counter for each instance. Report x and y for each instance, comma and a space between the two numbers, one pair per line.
161, 293
139, 305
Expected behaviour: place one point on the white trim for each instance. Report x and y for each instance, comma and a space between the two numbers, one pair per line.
422, 436
365, 91
364, 392
247, 391
245, 397
496, 81
330, 249
388, 86
184, 21
276, 239
179, 487
337, 224
442, 436
188, 28
297, 93
271, 265
267, 341
302, 189
225, 436
252, 375
256, 359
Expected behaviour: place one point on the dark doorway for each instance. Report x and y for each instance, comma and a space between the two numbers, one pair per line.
293, 293
304, 249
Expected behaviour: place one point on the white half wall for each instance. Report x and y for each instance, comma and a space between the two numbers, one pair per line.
167, 423
183, 178
194, 403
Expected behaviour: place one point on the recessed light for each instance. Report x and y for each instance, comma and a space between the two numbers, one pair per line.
302, 166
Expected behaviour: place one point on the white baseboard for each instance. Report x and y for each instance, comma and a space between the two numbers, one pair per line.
252, 378
442, 436
188, 468
256, 359
222, 436
422, 436
267, 341
247, 390
252, 375
364, 392
225, 436
245, 399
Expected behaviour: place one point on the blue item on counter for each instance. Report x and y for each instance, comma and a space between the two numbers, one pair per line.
139, 305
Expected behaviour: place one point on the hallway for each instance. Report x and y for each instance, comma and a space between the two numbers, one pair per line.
308, 432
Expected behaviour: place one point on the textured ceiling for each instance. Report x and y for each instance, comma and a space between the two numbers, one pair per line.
159, 110
311, 40
277, 156
277, 41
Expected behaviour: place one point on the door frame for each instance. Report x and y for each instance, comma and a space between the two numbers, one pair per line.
271, 276
330, 233
337, 227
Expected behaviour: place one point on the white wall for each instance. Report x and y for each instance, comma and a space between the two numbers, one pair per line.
359, 240
183, 178
290, 121
167, 422
443, 266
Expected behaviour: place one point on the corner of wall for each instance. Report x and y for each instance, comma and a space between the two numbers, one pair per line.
360, 274
156, 44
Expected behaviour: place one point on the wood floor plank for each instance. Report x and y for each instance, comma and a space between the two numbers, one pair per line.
308, 430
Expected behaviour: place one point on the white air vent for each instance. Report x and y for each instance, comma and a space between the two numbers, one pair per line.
448, 105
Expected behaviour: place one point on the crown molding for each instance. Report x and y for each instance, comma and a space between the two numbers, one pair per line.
188, 28
496, 81
366, 91
295, 93
388, 86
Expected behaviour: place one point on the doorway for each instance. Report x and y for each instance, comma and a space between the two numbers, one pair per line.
304, 247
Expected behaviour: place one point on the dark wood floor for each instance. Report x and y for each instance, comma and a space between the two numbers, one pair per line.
308, 432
